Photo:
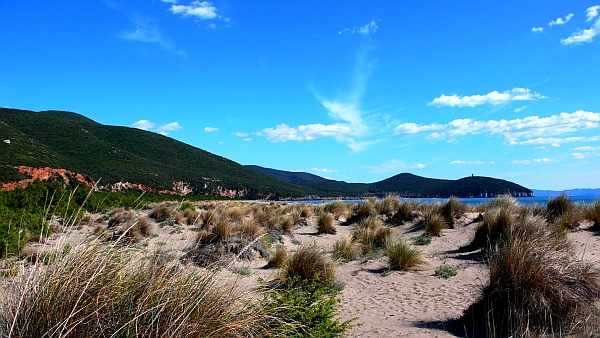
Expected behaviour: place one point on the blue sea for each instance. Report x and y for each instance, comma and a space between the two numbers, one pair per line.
542, 200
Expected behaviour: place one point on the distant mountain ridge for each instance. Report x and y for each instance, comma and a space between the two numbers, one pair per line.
405, 184
128, 158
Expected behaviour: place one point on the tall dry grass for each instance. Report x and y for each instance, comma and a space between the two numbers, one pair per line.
107, 291
537, 287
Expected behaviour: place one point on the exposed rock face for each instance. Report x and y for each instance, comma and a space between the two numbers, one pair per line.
231, 193
45, 174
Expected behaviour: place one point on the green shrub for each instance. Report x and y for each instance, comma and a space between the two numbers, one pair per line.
446, 272
422, 240
312, 304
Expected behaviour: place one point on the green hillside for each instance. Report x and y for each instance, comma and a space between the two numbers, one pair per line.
113, 154
407, 185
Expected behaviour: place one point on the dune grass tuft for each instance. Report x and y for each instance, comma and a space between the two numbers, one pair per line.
402, 255
536, 286
325, 223
308, 263
104, 291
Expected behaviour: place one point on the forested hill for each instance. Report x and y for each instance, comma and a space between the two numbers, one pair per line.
405, 184
67, 140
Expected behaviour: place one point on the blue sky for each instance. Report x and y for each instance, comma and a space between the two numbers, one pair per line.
355, 91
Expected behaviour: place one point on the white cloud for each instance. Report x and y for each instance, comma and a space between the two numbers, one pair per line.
471, 162
536, 160
211, 129
247, 139
283, 132
586, 148
393, 166
170, 1
493, 98
200, 10
537, 29
173, 126
557, 141
148, 33
348, 112
592, 12
561, 21
143, 125
578, 155
518, 110
324, 170
367, 29
522, 128
240, 134
585, 35
542, 148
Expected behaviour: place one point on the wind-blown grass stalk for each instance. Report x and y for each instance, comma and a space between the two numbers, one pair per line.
107, 291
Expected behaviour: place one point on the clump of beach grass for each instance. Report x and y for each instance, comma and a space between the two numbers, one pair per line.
452, 209
536, 287
325, 223
433, 222
308, 263
98, 290
402, 255
346, 248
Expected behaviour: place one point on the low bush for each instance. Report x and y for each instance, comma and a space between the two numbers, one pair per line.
445, 272
279, 258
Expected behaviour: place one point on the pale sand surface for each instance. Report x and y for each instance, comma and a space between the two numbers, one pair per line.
397, 304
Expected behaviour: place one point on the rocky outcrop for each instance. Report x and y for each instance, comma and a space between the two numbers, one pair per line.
64, 175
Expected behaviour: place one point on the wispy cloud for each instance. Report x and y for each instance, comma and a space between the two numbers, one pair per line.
324, 170
393, 166
146, 32
283, 132
520, 109
493, 98
471, 162
561, 21
350, 127
211, 129
170, 1
199, 10
513, 130
240, 134
367, 29
536, 160
578, 155
537, 29
151, 126
585, 35
592, 12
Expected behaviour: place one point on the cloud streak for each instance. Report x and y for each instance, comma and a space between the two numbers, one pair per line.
393, 166
512, 130
283, 132
493, 98
145, 32
367, 29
